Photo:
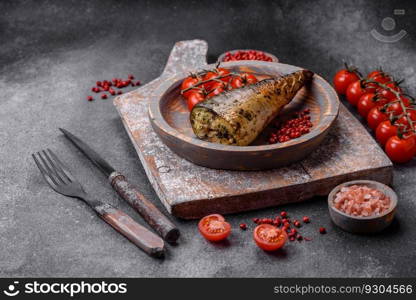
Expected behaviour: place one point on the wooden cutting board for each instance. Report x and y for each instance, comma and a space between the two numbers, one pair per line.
190, 191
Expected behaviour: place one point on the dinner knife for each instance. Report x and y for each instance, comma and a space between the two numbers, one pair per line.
153, 216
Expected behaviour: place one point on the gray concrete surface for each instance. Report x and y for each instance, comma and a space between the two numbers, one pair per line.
51, 53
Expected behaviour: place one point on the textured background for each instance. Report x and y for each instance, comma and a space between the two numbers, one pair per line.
51, 54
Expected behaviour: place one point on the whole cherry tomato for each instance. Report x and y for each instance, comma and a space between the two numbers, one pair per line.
375, 117
404, 120
187, 83
396, 108
387, 93
401, 150
354, 91
269, 237
384, 131
216, 88
214, 228
242, 80
223, 72
248, 78
379, 76
236, 82
343, 78
194, 98
210, 76
367, 102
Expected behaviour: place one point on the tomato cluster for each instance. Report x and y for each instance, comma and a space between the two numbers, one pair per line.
387, 109
204, 85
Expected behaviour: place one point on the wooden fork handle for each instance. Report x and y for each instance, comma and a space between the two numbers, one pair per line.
136, 233
153, 216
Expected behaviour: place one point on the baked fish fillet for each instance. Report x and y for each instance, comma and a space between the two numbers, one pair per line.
238, 116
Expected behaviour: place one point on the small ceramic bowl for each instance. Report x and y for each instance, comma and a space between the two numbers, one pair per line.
221, 57
356, 224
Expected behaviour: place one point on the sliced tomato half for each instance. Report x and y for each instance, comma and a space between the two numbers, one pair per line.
214, 228
269, 237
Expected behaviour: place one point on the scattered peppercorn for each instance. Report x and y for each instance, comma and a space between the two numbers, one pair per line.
106, 86
90, 98
277, 221
283, 222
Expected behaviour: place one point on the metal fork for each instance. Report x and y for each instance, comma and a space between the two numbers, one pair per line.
59, 178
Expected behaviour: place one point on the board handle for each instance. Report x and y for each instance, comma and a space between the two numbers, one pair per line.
186, 56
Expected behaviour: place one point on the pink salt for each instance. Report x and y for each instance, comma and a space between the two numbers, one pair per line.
361, 200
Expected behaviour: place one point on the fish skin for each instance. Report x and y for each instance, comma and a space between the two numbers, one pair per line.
238, 116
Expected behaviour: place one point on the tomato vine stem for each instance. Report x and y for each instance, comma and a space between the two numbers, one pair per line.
398, 100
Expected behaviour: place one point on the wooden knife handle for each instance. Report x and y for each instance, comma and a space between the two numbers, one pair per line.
136, 233
146, 209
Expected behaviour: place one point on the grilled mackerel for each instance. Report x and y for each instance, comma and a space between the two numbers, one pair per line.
238, 116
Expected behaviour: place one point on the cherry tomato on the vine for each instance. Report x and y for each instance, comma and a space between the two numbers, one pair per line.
210, 76
411, 114
384, 131
216, 88
387, 93
236, 82
214, 228
367, 102
223, 72
401, 150
354, 91
343, 78
248, 78
379, 76
242, 80
194, 98
375, 117
397, 107
187, 83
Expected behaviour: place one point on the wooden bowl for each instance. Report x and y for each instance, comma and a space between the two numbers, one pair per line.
221, 57
169, 117
364, 225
